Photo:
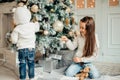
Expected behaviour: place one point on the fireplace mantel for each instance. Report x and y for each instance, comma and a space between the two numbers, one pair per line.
7, 7
5, 20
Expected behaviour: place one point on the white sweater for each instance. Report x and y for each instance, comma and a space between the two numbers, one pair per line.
24, 35
80, 42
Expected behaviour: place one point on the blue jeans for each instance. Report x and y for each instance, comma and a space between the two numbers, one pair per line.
75, 68
26, 56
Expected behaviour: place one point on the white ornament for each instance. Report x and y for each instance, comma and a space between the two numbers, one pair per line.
58, 26
71, 1
68, 10
20, 4
13, 10
51, 1
24, 0
46, 32
34, 8
77, 33
71, 33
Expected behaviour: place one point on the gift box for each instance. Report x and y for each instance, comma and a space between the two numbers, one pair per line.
49, 65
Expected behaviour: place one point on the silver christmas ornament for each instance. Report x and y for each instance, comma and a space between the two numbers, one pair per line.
58, 26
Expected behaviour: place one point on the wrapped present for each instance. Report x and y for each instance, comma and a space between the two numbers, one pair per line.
49, 65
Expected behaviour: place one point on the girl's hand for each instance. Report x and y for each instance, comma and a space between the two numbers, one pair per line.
77, 59
77, 33
64, 38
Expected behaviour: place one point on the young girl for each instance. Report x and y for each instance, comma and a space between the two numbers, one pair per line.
87, 43
24, 36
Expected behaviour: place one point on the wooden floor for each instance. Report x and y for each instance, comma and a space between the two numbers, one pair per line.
7, 74
106, 68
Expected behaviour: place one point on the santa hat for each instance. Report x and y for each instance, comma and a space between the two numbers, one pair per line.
22, 15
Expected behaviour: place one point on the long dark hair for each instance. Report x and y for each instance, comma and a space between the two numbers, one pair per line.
89, 37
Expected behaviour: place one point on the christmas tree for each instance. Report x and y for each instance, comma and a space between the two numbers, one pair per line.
55, 18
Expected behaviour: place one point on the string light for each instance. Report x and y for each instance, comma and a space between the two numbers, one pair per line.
114, 0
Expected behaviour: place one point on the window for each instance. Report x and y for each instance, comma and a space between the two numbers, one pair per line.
85, 4
80, 4
72, 1
113, 2
90, 3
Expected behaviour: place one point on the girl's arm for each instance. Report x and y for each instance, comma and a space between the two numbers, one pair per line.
72, 45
